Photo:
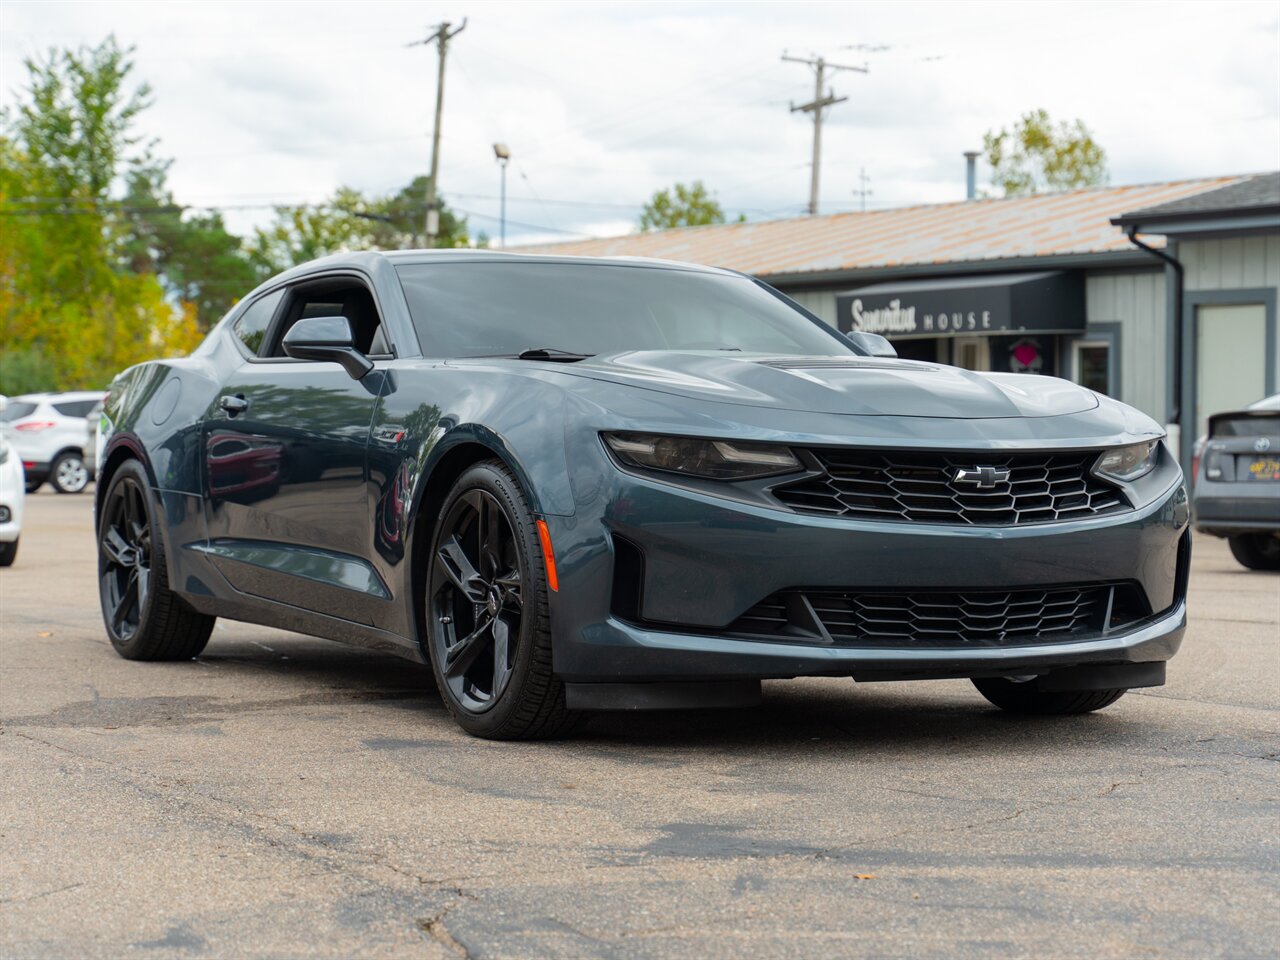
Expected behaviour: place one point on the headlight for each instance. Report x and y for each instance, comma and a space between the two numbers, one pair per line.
1129, 463
713, 459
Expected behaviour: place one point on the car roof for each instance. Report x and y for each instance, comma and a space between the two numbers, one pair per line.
1266, 403
477, 255
56, 397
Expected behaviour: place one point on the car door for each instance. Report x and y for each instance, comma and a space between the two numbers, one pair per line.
285, 461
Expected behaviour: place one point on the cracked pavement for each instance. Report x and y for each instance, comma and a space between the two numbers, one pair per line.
283, 796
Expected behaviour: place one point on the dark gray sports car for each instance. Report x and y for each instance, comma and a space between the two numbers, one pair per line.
575, 485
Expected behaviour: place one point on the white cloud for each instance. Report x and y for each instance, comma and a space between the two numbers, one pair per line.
605, 103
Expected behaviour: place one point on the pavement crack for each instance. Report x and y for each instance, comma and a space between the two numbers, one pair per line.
42, 894
434, 926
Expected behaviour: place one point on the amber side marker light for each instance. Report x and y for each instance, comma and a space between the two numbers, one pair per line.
548, 555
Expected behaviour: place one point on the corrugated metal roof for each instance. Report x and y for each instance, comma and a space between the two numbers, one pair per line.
1049, 224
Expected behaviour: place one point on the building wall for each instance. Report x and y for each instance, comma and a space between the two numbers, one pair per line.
821, 303
1135, 301
1235, 263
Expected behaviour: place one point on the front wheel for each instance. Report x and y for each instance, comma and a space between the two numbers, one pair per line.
145, 620
69, 473
488, 631
8, 553
1025, 698
1257, 551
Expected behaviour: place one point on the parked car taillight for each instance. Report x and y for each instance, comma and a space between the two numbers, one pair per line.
33, 425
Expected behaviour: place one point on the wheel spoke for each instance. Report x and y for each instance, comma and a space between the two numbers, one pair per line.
144, 585
492, 533
117, 551
128, 596
458, 567
461, 655
501, 647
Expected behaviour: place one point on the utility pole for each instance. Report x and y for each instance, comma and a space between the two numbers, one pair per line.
816, 106
863, 190
441, 38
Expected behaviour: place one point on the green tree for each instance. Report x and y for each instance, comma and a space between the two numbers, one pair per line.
1039, 155
68, 306
351, 221
682, 206
199, 261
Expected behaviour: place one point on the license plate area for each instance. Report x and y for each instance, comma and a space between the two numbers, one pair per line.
1259, 469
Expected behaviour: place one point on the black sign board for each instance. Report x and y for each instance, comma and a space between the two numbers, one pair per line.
1045, 302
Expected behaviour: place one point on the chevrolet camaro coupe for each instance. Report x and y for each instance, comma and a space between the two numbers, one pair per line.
573, 485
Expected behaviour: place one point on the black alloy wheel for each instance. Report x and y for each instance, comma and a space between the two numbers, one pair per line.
488, 632
125, 567
477, 600
145, 620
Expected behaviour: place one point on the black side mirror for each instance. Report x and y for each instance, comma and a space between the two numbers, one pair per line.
871, 344
329, 339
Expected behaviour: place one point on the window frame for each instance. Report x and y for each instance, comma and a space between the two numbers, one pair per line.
291, 289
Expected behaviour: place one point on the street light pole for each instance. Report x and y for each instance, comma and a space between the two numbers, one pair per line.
503, 154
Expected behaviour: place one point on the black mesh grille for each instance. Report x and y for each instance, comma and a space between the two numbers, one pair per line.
1002, 490
977, 618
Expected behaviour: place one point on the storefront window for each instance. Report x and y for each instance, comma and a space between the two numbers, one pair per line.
1093, 366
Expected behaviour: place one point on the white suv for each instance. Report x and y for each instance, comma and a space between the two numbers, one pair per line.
50, 433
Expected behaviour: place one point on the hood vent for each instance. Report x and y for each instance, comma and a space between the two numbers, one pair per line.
832, 363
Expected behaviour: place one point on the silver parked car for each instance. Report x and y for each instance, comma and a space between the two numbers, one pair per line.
1237, 490
50, 433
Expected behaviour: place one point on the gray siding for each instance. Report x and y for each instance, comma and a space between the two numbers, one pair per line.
819, 302
1236, 263
1137, 302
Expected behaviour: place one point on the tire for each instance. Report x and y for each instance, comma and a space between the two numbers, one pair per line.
1025, 698
145, 620
8, 553
33, 485
1257, 551
69, 473
486, 579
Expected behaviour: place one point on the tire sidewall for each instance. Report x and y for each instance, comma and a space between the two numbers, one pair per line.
132, 470
489, 478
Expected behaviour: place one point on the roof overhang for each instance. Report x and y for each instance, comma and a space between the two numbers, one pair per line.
1203, 223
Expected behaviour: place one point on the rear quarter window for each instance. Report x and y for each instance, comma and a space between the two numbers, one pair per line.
17, 410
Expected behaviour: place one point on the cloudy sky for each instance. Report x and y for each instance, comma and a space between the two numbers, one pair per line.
602, 103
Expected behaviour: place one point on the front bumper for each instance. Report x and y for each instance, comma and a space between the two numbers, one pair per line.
707, 560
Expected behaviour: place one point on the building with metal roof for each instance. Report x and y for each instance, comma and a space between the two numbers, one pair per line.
1142, 292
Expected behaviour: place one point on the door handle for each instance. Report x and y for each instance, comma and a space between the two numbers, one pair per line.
233, 404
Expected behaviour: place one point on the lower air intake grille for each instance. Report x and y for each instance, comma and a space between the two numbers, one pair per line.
979, 618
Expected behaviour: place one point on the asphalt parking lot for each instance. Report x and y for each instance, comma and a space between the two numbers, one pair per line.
284, 796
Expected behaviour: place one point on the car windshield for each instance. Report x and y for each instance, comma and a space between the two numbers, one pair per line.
503, 309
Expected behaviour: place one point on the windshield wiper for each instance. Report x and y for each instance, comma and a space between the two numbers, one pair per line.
552, 354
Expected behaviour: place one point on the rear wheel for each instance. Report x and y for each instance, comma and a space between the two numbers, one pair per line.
145, 620
8, 553
488, 631
69, 473
1257, 551
1025, 698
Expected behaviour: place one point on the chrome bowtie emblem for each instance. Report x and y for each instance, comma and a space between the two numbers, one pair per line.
1262, 443
984, 478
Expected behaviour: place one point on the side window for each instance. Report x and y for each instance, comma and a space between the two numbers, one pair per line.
75, 408
251, 328
335, 298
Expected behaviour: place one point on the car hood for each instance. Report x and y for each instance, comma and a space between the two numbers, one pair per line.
863, 386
